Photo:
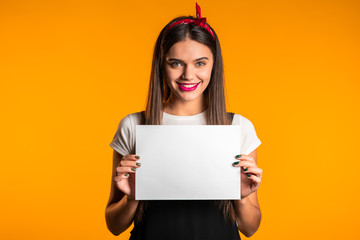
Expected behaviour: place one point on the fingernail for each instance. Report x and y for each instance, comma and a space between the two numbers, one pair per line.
238, 156
245, 169
138, 164
126, 174
236, 163
134, 169
249, 175
137, 157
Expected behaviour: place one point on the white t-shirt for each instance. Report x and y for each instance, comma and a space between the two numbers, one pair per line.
124, 139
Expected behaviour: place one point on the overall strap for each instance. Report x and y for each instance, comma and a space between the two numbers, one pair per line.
142, 117
231, 114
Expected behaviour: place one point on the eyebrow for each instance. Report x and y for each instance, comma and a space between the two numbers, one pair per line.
175, 59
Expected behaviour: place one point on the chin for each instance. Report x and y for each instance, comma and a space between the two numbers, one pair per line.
189, 98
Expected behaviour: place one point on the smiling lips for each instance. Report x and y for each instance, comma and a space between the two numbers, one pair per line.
188, 86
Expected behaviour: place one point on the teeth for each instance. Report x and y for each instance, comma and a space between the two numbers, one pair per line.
188, 86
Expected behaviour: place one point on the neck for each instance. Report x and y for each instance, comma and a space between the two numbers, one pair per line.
180, 108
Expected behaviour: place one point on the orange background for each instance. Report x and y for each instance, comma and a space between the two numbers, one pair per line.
70, 70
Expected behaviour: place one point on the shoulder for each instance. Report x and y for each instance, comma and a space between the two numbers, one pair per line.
241, 120
130, 120
245, 124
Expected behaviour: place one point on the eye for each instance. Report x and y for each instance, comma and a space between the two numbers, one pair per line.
203, 63
172, 64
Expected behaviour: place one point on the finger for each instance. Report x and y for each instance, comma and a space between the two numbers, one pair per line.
121, 172
244, 157
125, 170
252, 170
244, 163
254, 178
132, 157
124, 163
122, 176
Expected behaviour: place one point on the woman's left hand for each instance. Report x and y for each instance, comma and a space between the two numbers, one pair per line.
250, 175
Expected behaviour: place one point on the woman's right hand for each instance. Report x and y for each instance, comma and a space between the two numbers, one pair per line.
125, 175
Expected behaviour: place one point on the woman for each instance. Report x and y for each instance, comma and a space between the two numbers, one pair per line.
186, 87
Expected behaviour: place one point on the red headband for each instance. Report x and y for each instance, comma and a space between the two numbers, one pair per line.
201, 22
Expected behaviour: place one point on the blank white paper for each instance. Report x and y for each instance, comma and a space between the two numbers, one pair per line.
187, 162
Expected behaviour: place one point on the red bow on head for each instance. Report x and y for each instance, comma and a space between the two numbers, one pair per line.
201, 22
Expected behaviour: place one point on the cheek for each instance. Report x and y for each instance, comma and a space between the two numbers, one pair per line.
205, 75
170, 80
172, 75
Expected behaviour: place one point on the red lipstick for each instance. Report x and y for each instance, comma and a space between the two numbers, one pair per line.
182, 86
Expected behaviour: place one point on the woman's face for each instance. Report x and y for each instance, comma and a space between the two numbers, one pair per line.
187, 70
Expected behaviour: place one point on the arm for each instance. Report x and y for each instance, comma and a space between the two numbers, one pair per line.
248, 210
120, 210
119, 215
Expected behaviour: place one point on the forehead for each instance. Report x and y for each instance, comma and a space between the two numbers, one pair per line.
189, 49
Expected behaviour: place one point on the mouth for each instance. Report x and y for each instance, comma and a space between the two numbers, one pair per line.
188, 86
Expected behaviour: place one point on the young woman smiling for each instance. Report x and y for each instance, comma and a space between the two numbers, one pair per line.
186, 87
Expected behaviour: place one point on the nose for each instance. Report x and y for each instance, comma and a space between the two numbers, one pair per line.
188, 73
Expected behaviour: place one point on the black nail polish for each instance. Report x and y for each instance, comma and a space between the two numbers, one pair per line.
238, 156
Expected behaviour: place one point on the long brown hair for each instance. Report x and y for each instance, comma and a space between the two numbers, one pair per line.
214, 97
